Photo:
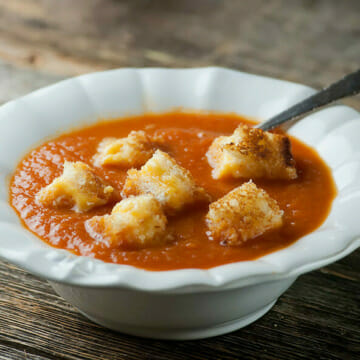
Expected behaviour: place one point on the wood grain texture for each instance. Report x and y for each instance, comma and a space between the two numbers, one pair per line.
318, 316
309, 41
313, 41
10, 353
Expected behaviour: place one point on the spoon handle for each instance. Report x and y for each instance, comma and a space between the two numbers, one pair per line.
348, 86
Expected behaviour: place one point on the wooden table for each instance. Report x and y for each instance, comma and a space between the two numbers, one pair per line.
308, 41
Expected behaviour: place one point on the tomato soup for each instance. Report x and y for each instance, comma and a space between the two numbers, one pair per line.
306, 201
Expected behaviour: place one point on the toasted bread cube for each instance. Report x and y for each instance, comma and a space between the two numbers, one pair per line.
244, 213
252, 153
172, 185
134, 223
78, 188
132, 151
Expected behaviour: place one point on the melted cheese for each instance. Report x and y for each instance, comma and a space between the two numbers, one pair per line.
171, 184
77, 188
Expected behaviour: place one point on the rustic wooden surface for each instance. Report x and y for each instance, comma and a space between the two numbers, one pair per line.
309, 41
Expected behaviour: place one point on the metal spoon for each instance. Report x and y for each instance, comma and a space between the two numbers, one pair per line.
348, 86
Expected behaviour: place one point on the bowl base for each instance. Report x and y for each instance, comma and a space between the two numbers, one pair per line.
184, 334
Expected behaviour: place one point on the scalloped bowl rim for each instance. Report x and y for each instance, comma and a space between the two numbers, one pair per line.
30, 253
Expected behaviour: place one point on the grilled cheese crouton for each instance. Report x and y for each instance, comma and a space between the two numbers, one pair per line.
135, 222
78, 188
244, 213
252, 153
132, 151
172, 185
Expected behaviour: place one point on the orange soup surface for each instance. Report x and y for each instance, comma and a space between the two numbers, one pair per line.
305, 201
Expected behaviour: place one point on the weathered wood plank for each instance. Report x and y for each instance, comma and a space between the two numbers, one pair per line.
15, 82
310, 41
9, 353
318, 316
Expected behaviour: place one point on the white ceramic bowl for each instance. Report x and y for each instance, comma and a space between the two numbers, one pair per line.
191, 303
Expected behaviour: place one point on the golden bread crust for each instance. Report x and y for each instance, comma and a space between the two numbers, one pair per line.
252, 153
132, 151
242, 214
134, 223
171, 184
78, 188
